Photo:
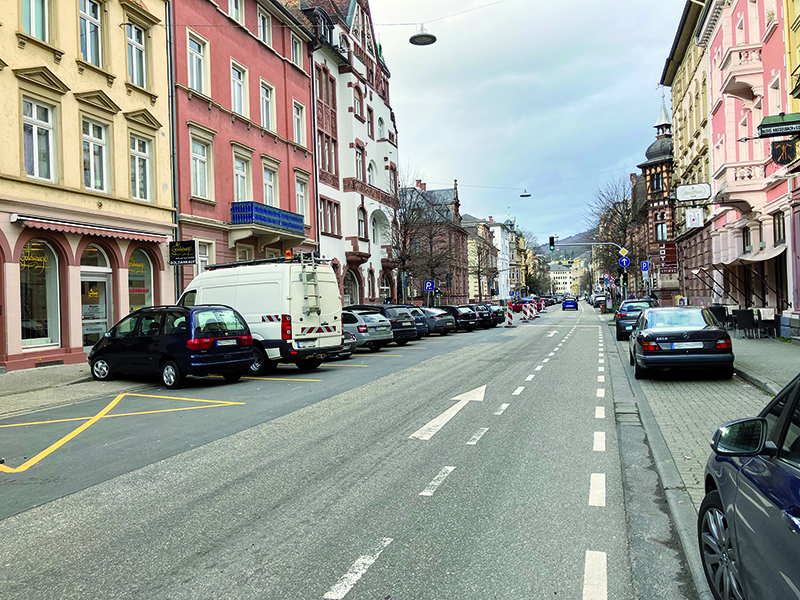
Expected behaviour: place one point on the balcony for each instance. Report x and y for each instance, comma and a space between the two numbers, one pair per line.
743, 72
267, 223
351, 184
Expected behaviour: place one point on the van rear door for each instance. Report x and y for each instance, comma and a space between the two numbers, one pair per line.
316, 307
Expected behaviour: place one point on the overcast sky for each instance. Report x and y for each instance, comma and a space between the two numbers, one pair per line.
527, 94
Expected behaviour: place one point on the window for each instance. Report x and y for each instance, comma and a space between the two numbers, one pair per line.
205, 256
90, 32
264, 27
301, 199
238, 94
35, 18
329, 216
371, 173
200, 156
359, 164
362, 223
747, 243
39, 291
235, 10
245, 253
241, 178
95, 156
375, 231
197, 61
269, 186
140, 168
297, 51
779, 228
136, 55
299, 124
358, 103
370, 123
140, 280
656, 186
37, 130
267, 107
381, 129
661, 231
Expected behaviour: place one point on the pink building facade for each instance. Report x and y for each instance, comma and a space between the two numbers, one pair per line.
747, 82
243, 131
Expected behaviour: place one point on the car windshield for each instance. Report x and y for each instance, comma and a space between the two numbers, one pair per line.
372, 317
218, 321
668, 319
632, 306
464, 310
398, 312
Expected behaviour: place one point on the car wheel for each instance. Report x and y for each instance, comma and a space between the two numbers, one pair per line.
639, 372
101, 371
402, 342
346, 355
232, 377
443, 333
620, 336
260, 360
630, 357
726, 373
374, 347
308, 364
171, 375
718, 550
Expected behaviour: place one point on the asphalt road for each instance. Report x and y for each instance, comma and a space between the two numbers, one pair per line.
355, 485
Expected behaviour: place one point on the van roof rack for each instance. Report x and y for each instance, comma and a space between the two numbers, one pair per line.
297, 257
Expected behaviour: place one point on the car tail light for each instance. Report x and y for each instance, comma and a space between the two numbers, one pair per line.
362, 329
392, 320
650, 347
438, 317
200, 343
247, 340
286, 327
621, 315
724, 344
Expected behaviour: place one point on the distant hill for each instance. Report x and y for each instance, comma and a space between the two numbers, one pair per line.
568, 252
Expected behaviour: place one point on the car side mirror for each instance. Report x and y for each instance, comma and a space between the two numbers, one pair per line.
745, 437
107, 334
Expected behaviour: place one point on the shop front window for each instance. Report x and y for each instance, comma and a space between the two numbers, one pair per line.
95, 295
140, 280
39, 289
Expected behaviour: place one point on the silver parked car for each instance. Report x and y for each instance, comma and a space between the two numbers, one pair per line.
371, 329
439, 321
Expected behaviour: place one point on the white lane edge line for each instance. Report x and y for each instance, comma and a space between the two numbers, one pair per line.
595, 577
518, 391
599, 441
552, 353
601, 369
599, 412
601, 392
530, 377
502, 409
539, 368
546, 360
357, 569
597, 489
437, 481
474, 439
601, 379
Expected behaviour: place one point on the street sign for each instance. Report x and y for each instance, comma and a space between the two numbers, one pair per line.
605, 275
429, 286
645, 266
623, 252
624, 261
697, 191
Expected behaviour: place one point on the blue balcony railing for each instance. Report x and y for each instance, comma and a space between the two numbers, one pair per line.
255, 213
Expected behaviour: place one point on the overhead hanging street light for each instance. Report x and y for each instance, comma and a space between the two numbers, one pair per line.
525, 194
422, 37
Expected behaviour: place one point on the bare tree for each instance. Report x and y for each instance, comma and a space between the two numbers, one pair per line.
482, 257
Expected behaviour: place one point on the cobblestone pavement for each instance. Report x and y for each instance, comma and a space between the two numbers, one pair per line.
689, 408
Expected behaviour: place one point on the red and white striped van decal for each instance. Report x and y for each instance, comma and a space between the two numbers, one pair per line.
320, 329
270, 318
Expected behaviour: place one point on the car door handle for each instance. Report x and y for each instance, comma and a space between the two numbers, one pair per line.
792, 517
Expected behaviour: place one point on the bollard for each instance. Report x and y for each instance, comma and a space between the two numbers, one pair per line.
510, 316
524, 317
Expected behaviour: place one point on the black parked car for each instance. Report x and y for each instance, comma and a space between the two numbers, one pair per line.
628, 313
498, 315
484, 315
465, 317
419, 319
175, 341
679, 337
404, 328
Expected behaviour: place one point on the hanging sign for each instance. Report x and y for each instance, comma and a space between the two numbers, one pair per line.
694, 218
182, 253
784, 152
696, 191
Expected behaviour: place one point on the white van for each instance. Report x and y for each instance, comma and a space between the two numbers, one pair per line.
292, 306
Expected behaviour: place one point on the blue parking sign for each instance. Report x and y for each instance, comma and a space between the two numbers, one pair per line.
645, 265
429, 287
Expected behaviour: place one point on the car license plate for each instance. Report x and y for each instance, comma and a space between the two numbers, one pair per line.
629, 327
309, 344
226, 342
407, 323
686, 345
382, 328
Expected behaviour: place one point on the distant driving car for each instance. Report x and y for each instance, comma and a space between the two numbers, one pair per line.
569, 303
679, 337
748, 525
439, 321
627, 314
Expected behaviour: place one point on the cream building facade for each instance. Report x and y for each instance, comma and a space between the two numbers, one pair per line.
86, 204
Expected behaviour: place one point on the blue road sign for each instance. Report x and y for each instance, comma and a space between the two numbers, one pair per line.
624, 261
429, 287
645, 265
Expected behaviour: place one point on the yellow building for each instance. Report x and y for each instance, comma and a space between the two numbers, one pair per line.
86, 202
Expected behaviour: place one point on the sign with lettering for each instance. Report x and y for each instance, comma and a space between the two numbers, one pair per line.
35, 261
182, 253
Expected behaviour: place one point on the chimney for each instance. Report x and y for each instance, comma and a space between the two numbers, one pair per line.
490, 219
422, 186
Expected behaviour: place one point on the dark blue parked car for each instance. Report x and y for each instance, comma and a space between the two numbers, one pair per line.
749, 522
175, 341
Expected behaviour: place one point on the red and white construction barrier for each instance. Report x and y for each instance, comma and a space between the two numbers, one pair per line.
510, 315
524, 315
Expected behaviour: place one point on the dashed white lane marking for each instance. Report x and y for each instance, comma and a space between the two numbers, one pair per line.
599, 441
529, 377
601, 361
559, 346
601, 355
599, 412
358, 568
552, 353
601, 393
595, 579
601, 379
502, 408
474, 439
546, 360
539, 368
517, 391
600, 369
597, 490
437, 481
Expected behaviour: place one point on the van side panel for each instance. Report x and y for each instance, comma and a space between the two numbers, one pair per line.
260, 305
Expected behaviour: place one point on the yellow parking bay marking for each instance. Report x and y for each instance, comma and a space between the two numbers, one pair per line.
351, 366
389, 355
103, 414
415, 348
280, 379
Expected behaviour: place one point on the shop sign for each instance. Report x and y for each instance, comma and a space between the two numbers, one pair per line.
138, 290
783, 152
182, 253
694, 192
34, 261
136, 268
694, 218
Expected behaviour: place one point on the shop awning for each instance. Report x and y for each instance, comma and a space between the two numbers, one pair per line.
763, 255
88, 229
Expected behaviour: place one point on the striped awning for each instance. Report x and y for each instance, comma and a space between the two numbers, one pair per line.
88, 229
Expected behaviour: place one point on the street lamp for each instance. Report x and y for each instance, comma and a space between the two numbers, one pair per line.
422, 37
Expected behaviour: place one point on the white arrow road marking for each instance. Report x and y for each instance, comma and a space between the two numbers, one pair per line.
502, 408
595, 578
358, 568
427, 432
552, 333
597, 490
599, 441
474, 439
437, 481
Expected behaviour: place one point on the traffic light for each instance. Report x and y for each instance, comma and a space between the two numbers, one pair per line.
620, 271
624, 279
552, 243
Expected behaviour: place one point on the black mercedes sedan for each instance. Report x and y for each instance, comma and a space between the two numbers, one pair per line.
679, 337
